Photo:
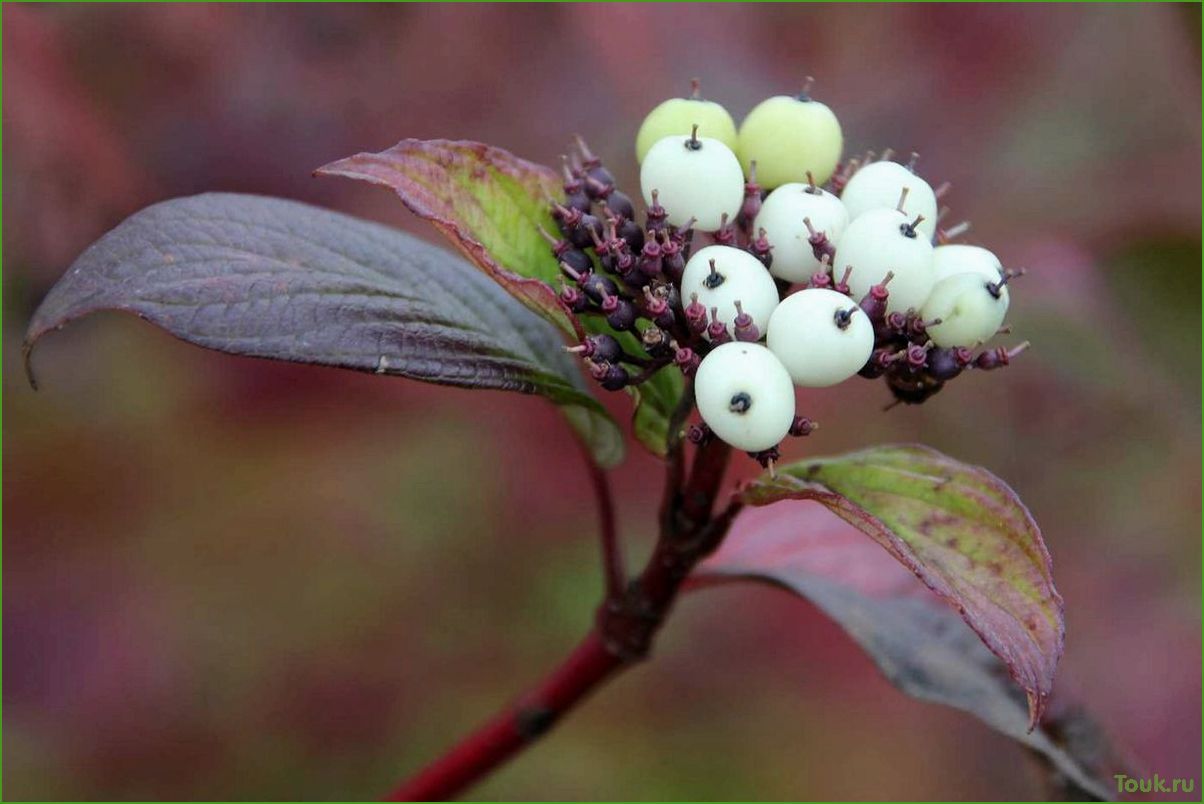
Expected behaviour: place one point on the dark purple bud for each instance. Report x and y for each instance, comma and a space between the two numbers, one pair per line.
699, 434
726, 234
623, 317
602, 348
998, 357
874, 302
717, 330
597, 286
752, 199
650, 258
820, 245
696, 315
767, 457
917, 355
820, 279
945, 364
761, 248
842, 286
746, 329
578, 260
672, 262
687, 360
802, 426
656, 342
632, 234
573, 298
656, 215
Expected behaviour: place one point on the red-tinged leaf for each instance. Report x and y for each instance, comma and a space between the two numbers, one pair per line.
490, 203
961, 530
485, 200
919, 644
276, 279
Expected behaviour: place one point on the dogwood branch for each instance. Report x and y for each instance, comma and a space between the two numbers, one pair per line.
622, 634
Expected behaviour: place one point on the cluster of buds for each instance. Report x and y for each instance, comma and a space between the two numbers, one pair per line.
762, 263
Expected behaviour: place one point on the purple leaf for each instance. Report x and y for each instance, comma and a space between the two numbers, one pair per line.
277, 279
961, 531
920, 645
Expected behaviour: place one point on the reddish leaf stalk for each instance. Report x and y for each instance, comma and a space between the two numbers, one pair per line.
623, 632
613, 562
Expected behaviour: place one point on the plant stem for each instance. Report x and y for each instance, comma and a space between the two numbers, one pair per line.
613, 563
623, 631
516, 726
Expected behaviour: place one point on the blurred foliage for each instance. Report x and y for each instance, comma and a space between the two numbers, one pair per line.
229, 578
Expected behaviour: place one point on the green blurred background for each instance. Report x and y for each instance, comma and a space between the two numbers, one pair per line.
228, 578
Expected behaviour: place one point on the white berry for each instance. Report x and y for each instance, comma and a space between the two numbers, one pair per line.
970, 308
821, 336
878, 185
782, 215
745, 396
695, 177
882, 240
679, 116
955, 259
736, 276
787, 137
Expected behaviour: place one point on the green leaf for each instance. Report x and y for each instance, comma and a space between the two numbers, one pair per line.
920, 645
276, 279
654, 400
486, 200
490, 203
961, 530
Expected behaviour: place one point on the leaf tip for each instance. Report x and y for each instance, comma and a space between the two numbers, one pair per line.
27, 362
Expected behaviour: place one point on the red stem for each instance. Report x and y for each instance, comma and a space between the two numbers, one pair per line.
517, 726
613, 565
623, 631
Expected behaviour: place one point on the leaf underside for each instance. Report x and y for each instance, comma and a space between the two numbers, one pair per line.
270, 278
490, 204
960, 530
920, 645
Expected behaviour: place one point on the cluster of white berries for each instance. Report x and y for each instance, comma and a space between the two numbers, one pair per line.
881, 290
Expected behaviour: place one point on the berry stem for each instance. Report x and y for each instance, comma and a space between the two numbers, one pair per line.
623, 631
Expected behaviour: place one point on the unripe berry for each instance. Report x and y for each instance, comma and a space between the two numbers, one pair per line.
781, 217
722, 275
955, 259
882, 241
679, 116
822, 337
695, 177
970, 309
745, 396
878, 186
789, 136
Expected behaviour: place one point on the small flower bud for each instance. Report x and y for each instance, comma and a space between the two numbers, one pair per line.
744, 326
802, 426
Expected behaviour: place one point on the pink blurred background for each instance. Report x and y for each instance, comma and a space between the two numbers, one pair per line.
228, 578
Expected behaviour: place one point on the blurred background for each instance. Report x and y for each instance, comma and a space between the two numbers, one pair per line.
228, 578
